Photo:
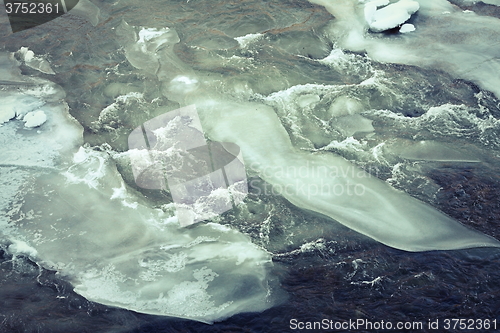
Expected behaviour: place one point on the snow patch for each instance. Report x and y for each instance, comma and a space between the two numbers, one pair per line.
34, 119
390, 16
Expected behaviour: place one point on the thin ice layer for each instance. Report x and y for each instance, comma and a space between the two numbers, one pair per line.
330, 185
120, 252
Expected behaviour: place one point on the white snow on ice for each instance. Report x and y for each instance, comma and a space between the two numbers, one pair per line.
34, 119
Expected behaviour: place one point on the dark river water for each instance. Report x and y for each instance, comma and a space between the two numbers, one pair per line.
417, 113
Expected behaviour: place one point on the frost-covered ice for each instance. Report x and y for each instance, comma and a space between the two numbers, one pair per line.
428, 150
147, 34
6, 114
34, 118
26, 54
183, 84
17, 104
407, 28
178, 272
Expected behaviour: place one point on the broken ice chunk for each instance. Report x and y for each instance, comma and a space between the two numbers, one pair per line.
6, 114
33, 61
34, 118
390, 16
407, 28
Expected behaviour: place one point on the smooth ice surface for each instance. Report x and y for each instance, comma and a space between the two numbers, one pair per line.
352, 197
120, 252
9, 72
353, 124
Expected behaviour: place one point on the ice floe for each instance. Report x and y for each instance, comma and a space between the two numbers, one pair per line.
389, 16
34, 118
67, 207
35, 62
446, 39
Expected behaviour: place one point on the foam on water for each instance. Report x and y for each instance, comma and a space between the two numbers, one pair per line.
429, 150
244, 41
457, 121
